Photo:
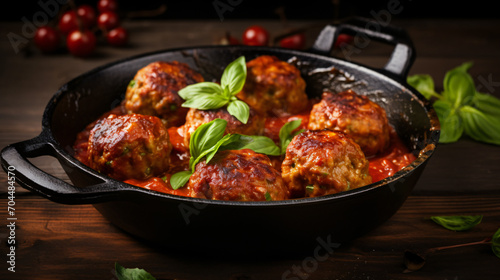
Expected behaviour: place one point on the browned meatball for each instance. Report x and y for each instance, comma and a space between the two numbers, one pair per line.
195, 118
129, 147
323, 162
237, 175
355, 115
154, 91
274, 86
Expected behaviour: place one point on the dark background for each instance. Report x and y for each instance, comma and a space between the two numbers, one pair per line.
294, 10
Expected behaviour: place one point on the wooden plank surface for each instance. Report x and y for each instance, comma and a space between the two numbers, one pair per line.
75, 242
57, 241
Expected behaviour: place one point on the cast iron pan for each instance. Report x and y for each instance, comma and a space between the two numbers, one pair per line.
226, 227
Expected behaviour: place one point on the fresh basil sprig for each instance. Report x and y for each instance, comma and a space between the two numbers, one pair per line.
461, 109
209, 95
132, 273
209, 138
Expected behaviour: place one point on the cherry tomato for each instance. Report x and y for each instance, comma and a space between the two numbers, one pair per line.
47, 39
87, 15
108, 20
68, 22
117, 37
255, 36
296, 41
107, 6
81, 43
343, 39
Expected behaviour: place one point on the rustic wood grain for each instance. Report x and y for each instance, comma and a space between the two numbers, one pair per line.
75, 242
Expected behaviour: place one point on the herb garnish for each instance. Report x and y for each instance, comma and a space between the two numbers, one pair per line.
210, 95
461, 109
132, 273
457, 223
286, 133
209, 138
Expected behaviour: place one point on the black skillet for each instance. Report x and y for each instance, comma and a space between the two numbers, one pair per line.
189, 224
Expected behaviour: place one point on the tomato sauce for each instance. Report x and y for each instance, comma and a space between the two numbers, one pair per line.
381, 166
395, 158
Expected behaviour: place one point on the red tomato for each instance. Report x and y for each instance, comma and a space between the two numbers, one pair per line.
87, 15
108, 20
296, 41
117, 37
255, 36
343, 39
107, 6
47, 39
68, 22
81, 43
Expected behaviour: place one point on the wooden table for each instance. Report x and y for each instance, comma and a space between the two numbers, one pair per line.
56, 241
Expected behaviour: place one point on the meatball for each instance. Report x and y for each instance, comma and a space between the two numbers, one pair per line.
323, 162
195, 118
355, 115
237, 175
274, 86
129, 147
154, 91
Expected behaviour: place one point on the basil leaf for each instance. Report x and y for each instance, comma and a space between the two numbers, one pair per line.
239, 110
495, 243
424, 84
487, 103
268, 196
286, 135
459, 86
132, 273
228, 138
479, 126
256, 143
451, 124
457, 223
206, 102
234, 76
180, 179
193, 90
206, 136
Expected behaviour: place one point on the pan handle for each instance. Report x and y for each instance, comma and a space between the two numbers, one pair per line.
14, 159
363, 30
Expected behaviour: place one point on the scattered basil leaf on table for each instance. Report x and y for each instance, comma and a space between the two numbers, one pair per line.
132, 273
458, 223
209, 138
461, 109
495, 243
424, 84
209, 95
480, 126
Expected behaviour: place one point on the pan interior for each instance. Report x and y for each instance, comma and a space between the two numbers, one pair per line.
85, 98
